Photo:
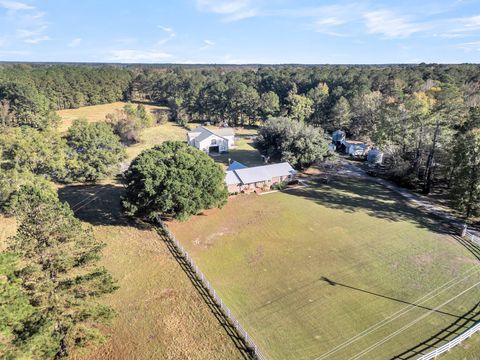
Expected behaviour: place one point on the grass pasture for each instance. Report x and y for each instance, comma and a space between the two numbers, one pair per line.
306, 271
155, 136
160, 315
96, 113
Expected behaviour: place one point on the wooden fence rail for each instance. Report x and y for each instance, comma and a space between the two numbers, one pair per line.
218, 300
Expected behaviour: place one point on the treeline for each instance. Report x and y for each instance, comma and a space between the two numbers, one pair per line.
416, 114
30, 95
319, 95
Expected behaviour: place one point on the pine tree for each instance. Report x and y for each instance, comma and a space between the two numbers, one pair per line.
60, 271
466, 179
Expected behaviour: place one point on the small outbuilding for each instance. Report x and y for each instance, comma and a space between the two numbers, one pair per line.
375, 156
338, 137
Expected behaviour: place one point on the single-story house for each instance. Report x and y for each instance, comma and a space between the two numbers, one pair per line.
209, 140
240, 178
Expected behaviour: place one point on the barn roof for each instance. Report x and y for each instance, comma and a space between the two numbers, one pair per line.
217, 131
205, 135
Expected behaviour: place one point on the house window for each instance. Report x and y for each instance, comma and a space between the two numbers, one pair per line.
214, 141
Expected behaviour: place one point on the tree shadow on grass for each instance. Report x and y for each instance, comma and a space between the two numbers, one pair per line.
358, 194
98, 204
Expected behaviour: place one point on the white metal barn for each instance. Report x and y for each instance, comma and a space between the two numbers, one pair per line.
211, 141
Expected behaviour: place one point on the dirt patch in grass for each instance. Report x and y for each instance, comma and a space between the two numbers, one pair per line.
8, 227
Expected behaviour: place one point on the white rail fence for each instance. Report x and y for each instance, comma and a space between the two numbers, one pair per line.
226, 311
459, 339
473, 238
448, 346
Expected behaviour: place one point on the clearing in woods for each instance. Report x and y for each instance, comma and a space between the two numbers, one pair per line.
97, 112
149, 137
306, 271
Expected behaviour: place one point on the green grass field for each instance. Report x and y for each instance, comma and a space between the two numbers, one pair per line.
155, 136
306, 271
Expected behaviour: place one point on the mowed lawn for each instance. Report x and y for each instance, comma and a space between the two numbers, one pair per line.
149, 137
339, 271
244, 150
155, 136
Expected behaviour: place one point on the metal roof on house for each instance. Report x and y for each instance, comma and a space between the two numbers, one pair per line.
260, 173
231, 178
253, 175
236, 166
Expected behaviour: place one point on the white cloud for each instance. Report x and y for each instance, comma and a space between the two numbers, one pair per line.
15, 5
74, 43
166, 29
140, 56
230, 10
170, 34
37, 40
207, 44
390, 25
13, 52
470, 46
33, 36
459, 27
26, 33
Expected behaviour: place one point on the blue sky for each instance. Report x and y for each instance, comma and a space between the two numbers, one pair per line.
240, 31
